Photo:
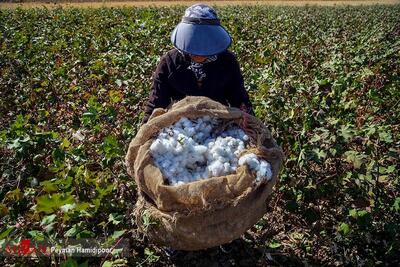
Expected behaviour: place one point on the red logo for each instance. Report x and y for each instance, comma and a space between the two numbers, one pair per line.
24, 248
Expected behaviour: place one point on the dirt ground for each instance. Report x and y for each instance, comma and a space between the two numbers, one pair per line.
98, 4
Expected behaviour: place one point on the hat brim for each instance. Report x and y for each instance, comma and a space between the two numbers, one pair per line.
200, 40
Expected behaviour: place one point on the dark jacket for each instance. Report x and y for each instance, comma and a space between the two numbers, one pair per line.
172, 81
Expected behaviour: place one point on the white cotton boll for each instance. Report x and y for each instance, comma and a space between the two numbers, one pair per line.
200, 149
199, 136
172, 143
222, 159
219, 150
196, 176
165, 164
178, 149
241, 147
200, 159
189, 151
190, 159
253, 163
269, 174
249, 159
163, 136
190, 141
242, 160
266, 169
156, 146
206, 118
190, 131
178, 124
173, 171
184, 121
227, 167
216, 168
175, 133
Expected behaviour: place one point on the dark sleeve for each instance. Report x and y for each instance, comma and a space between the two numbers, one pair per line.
238, 96
160, 95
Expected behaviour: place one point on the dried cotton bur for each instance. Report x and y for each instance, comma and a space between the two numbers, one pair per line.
191, 150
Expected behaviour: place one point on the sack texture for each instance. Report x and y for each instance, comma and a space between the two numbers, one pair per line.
208, 212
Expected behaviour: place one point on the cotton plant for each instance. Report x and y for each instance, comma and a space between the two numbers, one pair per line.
192, 149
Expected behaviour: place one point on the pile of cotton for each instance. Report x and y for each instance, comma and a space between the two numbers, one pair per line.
191, 150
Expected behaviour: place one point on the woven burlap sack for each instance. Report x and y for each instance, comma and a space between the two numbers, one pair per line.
187, 230
202, 194
208, 212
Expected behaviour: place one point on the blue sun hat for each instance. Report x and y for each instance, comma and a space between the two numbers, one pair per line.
200, 32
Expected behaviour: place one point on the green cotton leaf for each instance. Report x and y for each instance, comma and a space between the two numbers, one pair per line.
73, 231
333, 151
363, 217
390, 169
353, 213
3, 210
97, 203
82, 206
49, 228
115, 96
15, 195
344, 228
104, 191
6, 233
68, 207
396, 204
385, 135
315, 138
274, 244
365, 72
18, 127
346, 132
151, 257
49, 186
49, 204
115, 218
371, 130
319, 153
355, 158
65, 143
117, 234
48, 219
37, 235
323, 82
3, 137
85, 234
362, 213
110, 147
58, 156
107, 264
